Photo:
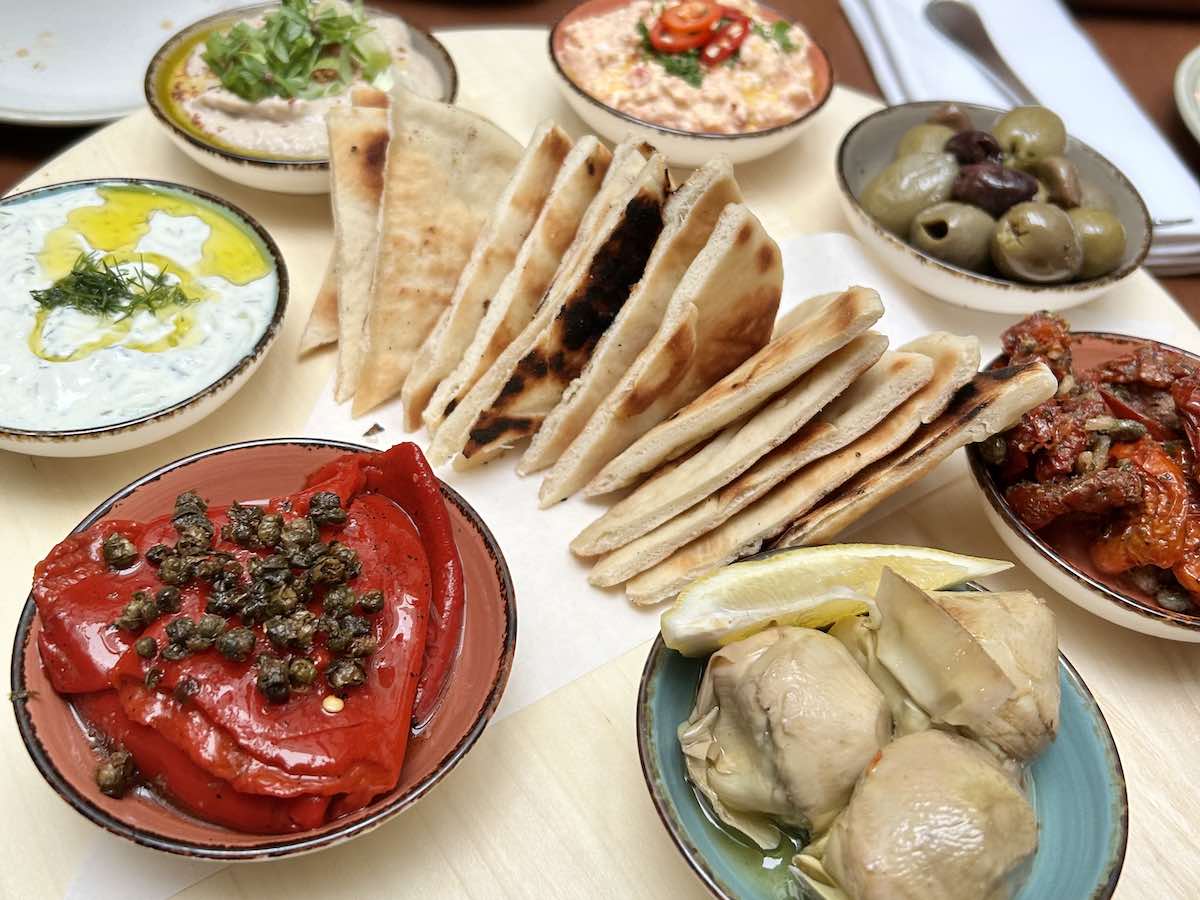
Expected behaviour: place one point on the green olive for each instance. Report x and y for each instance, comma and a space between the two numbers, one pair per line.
906, 186
957, 233
1031, 132
1036, 242
923, 138
1061, 179
1092, 196
952, 116
1042, 194
1103, 238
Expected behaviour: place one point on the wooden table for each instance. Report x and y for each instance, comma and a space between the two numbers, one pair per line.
1123, 38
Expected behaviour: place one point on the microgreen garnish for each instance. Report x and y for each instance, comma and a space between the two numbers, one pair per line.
685, 65
301, 50
95, 286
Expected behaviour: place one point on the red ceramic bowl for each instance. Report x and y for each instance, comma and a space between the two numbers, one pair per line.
62, 753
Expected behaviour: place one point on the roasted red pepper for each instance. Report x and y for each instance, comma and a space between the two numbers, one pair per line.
667, 41
220, 748
692, 17
728, 39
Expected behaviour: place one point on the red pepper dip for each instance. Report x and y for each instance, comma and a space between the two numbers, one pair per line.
261, 666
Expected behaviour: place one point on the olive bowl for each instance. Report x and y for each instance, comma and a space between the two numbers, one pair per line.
138, 431
869, 146
282, 174
686, 149
63, 754
1070, 573
1077, 787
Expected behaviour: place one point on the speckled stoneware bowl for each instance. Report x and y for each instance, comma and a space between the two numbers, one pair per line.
128, 435
63, 755
870, 145
687, 149
1078, 793
287, 176
1089, 589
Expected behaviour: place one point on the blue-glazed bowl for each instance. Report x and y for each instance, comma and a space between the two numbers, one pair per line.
1078, 794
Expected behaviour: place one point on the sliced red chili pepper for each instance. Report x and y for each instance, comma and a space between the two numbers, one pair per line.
665, 41
691, 18
726, 41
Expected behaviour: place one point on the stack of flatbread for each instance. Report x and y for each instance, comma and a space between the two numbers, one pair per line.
565, 297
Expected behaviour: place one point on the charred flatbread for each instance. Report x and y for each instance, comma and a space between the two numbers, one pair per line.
719, 315
827, 324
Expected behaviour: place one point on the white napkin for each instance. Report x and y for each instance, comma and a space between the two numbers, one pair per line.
1039, 40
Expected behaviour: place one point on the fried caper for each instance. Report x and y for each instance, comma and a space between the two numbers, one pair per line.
273, 678
270, 530
994, 449
325, 507
348, 557
185, 689
180, 629
208, 568
194, 539
119, 551
168, 599
146, 647
339, 600
174, 651
153, 677
116, 774
328, 570
236, 644
302, 671
301, 531
344, 674
139, 612
156, 554
189, 503
362, 646
371, 602
176, 570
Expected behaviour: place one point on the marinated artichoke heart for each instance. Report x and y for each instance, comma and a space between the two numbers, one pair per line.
936, 818
985, 664
784, 724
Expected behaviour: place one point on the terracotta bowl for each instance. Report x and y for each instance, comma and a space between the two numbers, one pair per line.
683, 148
1076, 580
869, 146
268, 173
61, 750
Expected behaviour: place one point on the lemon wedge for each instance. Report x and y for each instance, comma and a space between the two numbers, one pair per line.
810, 587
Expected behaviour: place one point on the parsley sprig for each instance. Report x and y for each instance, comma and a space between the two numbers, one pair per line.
94, 286
777, 33
685, 65
301, 50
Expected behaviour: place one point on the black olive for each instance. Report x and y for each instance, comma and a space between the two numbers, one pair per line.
236, 644
971, 147
326, 507
119, 551
992, 187
146, 647
167, 599
371, 602
116, 775
302, 671
343, 674
273, 678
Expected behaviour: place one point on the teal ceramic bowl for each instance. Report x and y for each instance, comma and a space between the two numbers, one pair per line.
1078, 793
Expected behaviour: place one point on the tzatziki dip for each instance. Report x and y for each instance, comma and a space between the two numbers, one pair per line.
217, 93
119, 300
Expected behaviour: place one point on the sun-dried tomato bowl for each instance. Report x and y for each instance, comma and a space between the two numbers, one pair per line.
63, 754
1065, 572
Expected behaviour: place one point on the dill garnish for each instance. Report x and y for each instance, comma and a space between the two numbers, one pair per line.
301, 50
94, 286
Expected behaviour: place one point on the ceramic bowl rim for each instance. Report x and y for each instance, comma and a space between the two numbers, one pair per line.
271, 846
270, 332
987, 485
149, 84
709, 878
680, 132
991, 281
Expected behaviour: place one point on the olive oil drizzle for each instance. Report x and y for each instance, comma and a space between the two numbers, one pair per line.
114, 228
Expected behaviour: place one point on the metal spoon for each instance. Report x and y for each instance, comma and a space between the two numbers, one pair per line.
960, 21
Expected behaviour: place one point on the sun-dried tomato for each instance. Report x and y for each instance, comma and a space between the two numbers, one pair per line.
1153, 532
1186, 394
1038, 505
1149, 365
1053, 433
1043, 336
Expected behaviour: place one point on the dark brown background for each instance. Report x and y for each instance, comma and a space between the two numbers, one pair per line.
1143, 41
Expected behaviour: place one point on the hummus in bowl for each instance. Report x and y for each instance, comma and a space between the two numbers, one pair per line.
129, 310
265, 126
742, 82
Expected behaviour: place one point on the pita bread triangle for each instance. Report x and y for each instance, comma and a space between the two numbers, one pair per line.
528, 379
445, 168
513, 305
992, 402
689, 216
358, 143
732, 451
492, 258
986, 403
826, 325
321, 327
883, 387
719, 315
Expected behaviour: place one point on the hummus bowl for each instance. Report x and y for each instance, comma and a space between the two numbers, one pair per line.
197, 291
681, 146
868, 147
272, 144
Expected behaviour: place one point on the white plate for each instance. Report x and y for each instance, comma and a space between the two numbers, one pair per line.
78, 62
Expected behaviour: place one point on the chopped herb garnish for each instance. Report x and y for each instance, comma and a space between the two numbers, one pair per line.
777, 33
97, 287
685, 65
302, 50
